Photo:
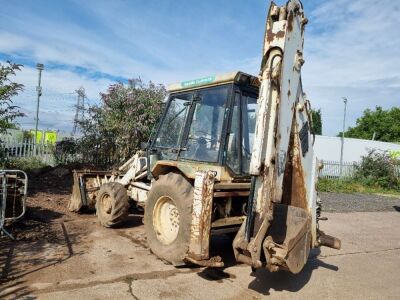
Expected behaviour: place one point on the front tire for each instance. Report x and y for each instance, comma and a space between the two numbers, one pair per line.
168, 217
112, 204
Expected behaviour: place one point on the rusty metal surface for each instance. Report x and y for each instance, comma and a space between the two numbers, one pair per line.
86, 183
85, 186
282, 48
201, 215
228, 221
189, 169
288, 243
294, 188
214, 262
282, 223
281, 226
328, 241
231, 194
232, 186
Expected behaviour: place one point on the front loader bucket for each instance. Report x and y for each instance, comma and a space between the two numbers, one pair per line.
288, 243
76, 203
85, 187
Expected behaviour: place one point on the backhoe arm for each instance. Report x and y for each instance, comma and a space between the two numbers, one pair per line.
281, 219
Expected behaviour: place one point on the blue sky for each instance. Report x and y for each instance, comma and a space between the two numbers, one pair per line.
351, 49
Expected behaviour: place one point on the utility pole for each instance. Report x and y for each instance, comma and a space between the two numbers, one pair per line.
40, 68
80, 108
344, 126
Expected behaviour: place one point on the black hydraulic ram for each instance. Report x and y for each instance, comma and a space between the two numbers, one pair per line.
250, 211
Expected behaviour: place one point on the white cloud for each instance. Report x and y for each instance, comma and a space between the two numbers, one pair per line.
351, 49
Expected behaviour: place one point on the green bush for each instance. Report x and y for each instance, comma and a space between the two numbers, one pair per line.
377, 173
22, 163
66, 152
113, 131
378, 169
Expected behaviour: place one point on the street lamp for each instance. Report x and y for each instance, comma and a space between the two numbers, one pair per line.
344, 126
40, 68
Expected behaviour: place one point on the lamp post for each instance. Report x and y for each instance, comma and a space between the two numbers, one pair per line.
40, 68
344, 126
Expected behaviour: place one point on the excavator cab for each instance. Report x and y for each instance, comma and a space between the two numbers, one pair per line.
202, 145
209, 121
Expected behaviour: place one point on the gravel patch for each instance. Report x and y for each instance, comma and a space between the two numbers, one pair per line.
338, 202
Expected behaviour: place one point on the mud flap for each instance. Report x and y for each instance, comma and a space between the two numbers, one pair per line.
288, 243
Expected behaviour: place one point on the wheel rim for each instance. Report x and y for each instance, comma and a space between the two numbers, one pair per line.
166, 220
106, 203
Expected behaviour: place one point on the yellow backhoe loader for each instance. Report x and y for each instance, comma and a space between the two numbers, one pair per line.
232, 154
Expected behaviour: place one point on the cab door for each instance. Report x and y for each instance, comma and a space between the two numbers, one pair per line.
241, 132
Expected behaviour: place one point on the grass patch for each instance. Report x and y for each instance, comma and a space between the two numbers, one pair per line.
23, 163
352, 186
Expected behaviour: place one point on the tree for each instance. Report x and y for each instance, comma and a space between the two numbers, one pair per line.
123, 121
381, 124
8, 89
316, 121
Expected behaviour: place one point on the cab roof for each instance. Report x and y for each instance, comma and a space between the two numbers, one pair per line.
214, 80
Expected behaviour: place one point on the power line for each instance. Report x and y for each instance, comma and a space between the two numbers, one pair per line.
62, 109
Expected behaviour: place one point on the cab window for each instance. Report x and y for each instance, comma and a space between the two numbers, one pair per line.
204, 136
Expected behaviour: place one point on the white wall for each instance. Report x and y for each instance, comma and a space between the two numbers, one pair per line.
328, 148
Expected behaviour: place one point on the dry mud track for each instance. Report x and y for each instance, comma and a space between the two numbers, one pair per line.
72, 256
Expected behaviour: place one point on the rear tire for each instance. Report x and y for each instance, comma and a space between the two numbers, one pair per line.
112, 204
168, 217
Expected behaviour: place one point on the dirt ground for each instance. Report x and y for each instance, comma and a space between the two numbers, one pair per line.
62, 255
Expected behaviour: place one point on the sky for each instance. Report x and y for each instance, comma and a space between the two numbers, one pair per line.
351, 50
